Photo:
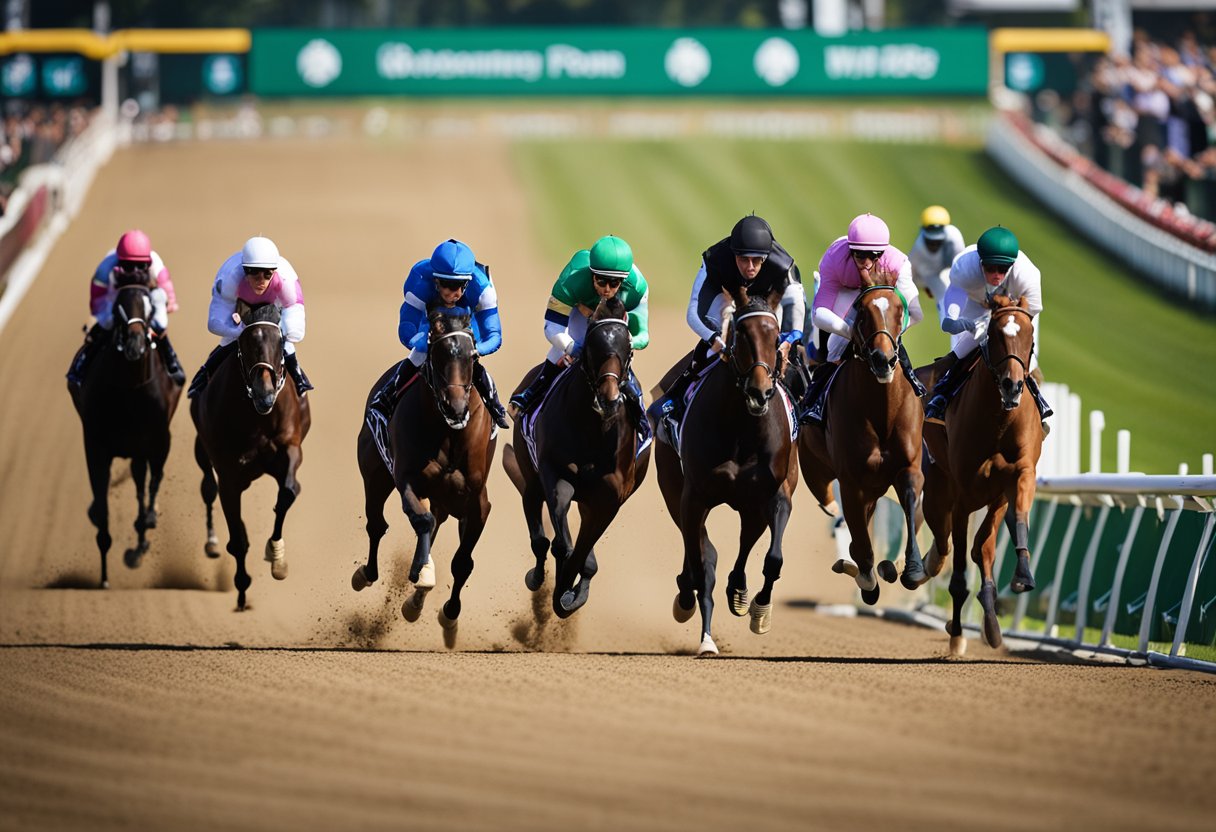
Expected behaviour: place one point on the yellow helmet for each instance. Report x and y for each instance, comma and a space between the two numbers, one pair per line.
934, 215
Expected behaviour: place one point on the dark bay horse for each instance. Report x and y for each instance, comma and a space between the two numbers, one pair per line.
986, 458
585, 441
125, 406
735, 449
441, 445
249, 424
871, 439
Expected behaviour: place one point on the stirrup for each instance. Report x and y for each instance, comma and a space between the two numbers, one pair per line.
935, 410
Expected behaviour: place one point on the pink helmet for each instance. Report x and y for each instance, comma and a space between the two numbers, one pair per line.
868, 233
134, 246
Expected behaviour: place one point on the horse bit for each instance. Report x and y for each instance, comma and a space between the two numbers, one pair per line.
741, 377
127, 321
628, 359
279, 377
1010, 356
895, 341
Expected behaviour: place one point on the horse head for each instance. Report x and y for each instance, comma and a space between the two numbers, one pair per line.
259, 350
880, 316
1007, 350
752, 352
607, 353
451, 350
132, 311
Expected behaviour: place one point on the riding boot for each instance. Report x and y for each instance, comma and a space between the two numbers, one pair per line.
910, 372
671, 405
85, 355
524, 400
811, 407
632, 389
209, 367
947, 385
292, 363
168, 355
821, 352
380, 408
1044, 408
489, 394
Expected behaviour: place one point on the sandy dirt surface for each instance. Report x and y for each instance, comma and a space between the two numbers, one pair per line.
155, 705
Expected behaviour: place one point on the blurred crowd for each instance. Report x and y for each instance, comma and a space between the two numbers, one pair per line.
1150, 118
31, 134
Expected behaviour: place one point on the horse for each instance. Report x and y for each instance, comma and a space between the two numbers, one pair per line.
985, 457
249, 425
442, 442
585, 439
735, 448
126, 404
870, 440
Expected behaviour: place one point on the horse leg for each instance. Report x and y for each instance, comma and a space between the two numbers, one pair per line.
1018, 521
751, 526
534, 504
594, 518
984, 553
561, 494
937, 508
958, 582
471, 527
289, 489
702, 557
377, 485
857, 513
99, 510
910, 484
238, 541
762, 605
139, 476
423, 523
209, 491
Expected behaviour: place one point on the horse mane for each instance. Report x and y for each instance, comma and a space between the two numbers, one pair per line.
258, 312
996, 302
757, 304
609, 308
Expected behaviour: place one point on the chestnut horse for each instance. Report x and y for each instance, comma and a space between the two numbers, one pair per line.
250, 423
586, 450
870, 440
735, 449
125, 406
441, 442
986, 457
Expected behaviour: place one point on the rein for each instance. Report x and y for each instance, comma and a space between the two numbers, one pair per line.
128, 321
1009, 356
895, 341
587, 367
741, 377
430, 376
279, 376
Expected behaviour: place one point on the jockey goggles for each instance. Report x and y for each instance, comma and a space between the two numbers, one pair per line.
257, 270
452, 284
606, 280
867, 255
132, 266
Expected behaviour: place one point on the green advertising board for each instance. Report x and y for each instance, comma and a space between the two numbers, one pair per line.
298, 62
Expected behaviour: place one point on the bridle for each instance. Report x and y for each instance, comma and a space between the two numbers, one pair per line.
869, 340
279, 375
596, 381
127, 321
1009, 356
741, 376
441, 401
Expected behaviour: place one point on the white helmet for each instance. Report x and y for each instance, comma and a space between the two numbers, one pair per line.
260, 252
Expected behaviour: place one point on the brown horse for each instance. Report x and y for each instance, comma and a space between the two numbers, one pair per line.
586, 448
870, 440
986, 457
249, 425
125, 406
735, 448
441, 442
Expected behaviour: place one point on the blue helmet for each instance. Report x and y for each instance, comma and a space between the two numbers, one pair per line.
453, 260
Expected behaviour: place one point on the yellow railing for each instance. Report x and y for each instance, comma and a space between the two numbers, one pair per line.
98, 46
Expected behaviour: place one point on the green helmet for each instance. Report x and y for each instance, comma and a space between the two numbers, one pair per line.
611, 256
997, 246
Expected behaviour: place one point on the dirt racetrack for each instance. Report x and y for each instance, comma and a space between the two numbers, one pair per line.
155, 705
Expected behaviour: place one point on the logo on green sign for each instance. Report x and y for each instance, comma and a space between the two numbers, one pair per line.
221, 74
18, 77
319, 63
687, 62
776, 61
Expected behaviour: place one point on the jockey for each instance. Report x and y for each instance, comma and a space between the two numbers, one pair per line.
604, 271
132, 261
935, 248
993, 266
450, 278
256, 274
865, 252
749, 259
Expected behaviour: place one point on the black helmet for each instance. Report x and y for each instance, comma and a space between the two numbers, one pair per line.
751, 237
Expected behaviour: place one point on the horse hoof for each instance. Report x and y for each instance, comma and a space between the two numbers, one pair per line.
958, 646
845, 566
359, 580
887, 571
1022, 586
564, 605
449, 627
681, 613
736, 599
212, 548
535, 579
762, 618
132, 558
707, 648
412, 608
276, 555
150, 519
106, 585
870, 596
867, 582
426, 576
992, 631
913, 578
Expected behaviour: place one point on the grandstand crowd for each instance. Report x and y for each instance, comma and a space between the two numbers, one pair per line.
31, 134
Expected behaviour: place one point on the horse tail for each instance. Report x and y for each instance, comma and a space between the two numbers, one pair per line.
511, 465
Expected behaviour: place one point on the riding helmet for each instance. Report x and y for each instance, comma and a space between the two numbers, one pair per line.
611, 256
751, 237
934, 220
260, 253
868, 233
997, 246
134, 246
452, 260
